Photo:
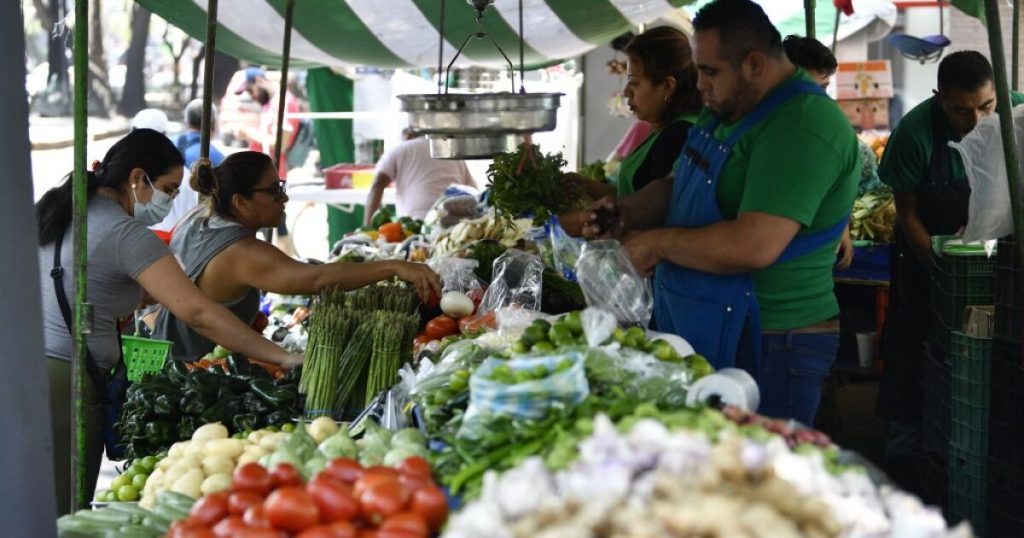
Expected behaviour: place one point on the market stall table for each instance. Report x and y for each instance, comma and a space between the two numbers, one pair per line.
342, 199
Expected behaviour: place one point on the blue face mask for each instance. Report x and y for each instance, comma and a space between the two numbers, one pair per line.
154, 211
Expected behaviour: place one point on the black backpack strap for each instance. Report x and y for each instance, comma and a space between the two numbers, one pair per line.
57, 274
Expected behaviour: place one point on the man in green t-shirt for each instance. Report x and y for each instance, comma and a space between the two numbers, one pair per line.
762, 192
932, 194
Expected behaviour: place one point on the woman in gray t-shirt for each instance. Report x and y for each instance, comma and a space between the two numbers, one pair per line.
131, 188
220, 252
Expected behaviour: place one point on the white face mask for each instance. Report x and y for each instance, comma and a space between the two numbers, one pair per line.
154, 211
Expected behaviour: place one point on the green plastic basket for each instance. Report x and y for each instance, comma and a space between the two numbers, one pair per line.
968, 488
143, 355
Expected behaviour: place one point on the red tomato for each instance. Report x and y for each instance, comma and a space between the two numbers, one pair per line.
410, 522
413, 482
422, 340
343, 529
381, 470
344, 469
431, 503
415, 465
381, 500
240, 501
210, 509
292, 509
368, 533
319, 531
332, 499
370, 479
285, 474
229, 527
441, 326
263, 532
256, 517
252, 477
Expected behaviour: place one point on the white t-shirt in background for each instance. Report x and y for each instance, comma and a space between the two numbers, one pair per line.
419, 179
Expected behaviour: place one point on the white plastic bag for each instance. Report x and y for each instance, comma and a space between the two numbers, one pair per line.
517, 281
610, 282
989, 214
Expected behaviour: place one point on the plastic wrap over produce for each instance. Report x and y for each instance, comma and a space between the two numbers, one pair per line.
610, 282
518, 277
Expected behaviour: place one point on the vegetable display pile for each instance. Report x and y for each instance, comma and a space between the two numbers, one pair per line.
593, 171
169, 406
126, 520
357, 343
527, 181
873, 216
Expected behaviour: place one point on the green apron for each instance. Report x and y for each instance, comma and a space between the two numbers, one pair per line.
633, 161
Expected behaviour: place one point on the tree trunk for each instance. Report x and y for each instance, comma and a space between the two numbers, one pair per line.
197, 66
224, 67
133, 98
100, 94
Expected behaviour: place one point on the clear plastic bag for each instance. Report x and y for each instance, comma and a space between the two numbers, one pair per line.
566, 250
529, 399
517, 281
610, 282
639, 375
457, 203
989, 212
457, 274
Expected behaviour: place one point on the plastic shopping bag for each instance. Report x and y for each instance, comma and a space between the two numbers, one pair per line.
517, 281
610, 282
989, 214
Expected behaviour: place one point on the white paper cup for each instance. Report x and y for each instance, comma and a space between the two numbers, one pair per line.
866, 349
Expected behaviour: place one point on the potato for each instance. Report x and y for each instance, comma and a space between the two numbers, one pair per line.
196, 448
186, 463
215, 482
177, 450
215, 430
247, 457
189, 484
168, 462
230, 448
154, 480
217, 464
321, 428
255, 436
269, 442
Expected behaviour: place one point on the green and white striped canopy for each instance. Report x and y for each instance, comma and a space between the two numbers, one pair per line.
404, 33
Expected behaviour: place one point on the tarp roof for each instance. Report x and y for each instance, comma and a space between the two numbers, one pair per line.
404, 33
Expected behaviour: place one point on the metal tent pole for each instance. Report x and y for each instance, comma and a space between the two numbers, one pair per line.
80, 204
288, 19
206, 127
809, 6
995, 43
1015, 54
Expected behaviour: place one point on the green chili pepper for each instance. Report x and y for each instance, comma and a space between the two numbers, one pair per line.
246, 422
192, 403
159, 433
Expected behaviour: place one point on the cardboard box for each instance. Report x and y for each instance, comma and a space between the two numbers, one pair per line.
979, 321
866, 114
864, 80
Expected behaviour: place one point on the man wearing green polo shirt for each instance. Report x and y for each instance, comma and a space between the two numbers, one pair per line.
744, 236
932, 194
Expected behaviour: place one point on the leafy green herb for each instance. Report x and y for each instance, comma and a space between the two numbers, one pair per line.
528, 181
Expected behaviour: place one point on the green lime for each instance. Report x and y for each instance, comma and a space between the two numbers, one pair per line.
533, 334
149, 462
520, 347
619, 335
663, 350
539, 372
560, 335
127, 494
543, 347
138, 468
699, 365
139, 482
288, 427
637, 333
101, 495
457, 384
121, 480
442, 396
523, 376
111, 497
542, 324
272, 428
574, 320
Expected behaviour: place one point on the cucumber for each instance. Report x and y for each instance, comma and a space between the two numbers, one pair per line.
177, 501
70, 526
104, 517
132, 531
132, 509
169, 513
156, 523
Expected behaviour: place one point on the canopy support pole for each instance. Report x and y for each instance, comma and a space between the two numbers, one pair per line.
1016, 46
835, 32
288, 18
995, 43
809, 6
79, 230
206, 127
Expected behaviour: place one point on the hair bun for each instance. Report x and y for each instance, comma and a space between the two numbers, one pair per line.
203, 179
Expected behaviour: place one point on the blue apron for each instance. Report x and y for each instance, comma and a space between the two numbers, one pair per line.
710, 310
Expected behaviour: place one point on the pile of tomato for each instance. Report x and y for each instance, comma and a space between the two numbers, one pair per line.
345, 500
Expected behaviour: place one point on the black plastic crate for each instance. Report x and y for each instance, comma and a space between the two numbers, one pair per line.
934, 479
968, 488
1008, 277
936, 390
1005, 500
1006, 403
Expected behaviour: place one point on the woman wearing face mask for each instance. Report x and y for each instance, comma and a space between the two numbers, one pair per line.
661, 89
220, 252
129, 189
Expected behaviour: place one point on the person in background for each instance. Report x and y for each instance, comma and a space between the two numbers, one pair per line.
419, 178
743, 237
129, 190
264, 137
931, 191
150, 118
661, 90
188, 145
820, 63
218, 248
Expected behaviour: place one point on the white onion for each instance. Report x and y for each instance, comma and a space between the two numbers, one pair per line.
456, 304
